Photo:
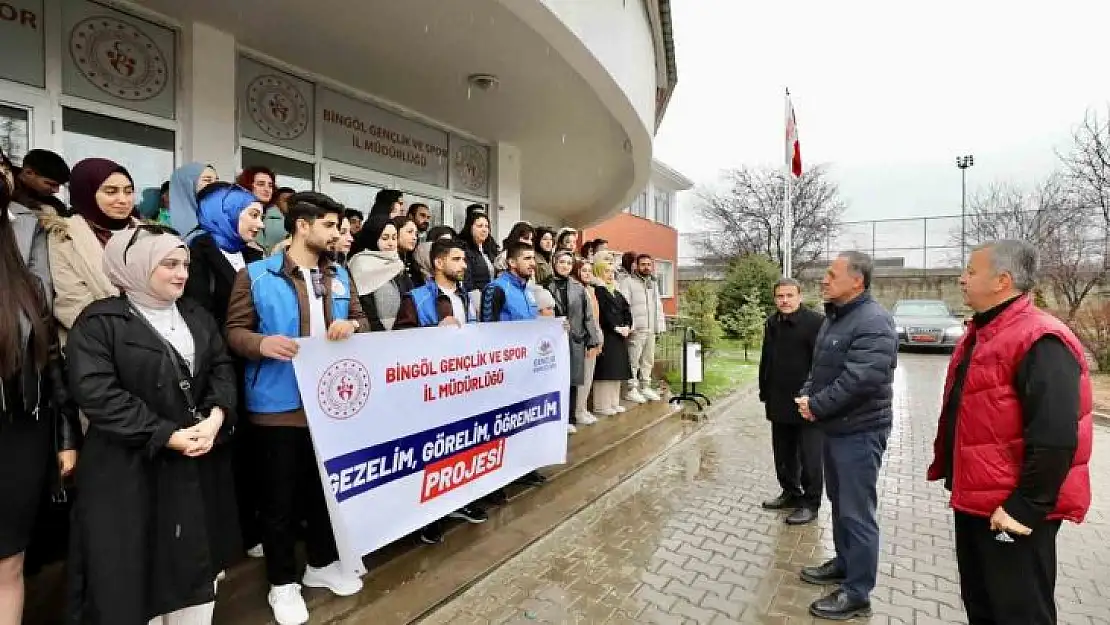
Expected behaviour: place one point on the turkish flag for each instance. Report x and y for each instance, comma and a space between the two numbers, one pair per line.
793, 146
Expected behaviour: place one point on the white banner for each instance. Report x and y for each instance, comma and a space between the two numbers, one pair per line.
411, 425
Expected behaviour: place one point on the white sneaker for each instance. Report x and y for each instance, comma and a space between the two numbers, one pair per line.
604, 412
650, 394
333, 578
288, 605
619, 408
585, 418
256, 551
571, 429
635, 397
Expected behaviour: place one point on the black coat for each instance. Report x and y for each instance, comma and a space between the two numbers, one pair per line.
613, 312
850, 385
211, 275
788, 342
478, 274
152, 528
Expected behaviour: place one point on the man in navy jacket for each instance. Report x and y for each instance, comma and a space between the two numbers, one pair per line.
849, 394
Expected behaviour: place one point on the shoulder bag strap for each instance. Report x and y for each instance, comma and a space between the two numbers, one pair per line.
183, 382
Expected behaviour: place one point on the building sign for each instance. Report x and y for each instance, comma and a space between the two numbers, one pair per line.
364, 135
21, 42
469, 167
117, 59
275, 107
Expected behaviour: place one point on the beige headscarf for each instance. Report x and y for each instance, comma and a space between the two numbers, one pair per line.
132, 274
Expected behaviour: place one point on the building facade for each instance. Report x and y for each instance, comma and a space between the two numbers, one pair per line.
542, 109
649, 225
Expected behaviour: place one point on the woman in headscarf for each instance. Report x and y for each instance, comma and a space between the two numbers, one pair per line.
230, 218
567, 239
103, 198
572, 303
521, 231
377, 271
613, 365
545, 248
407, 234
185, 183
584, 274
388, 203
155, 522
34, 406
423, 253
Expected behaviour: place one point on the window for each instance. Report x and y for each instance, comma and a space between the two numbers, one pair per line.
297, 175
15, 132
639, 205
147, 152
664, 208
664, 276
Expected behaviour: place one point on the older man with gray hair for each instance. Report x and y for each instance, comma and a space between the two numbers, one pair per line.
849, 395
1014, 440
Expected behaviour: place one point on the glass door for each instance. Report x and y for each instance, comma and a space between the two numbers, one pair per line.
24, 122
15, 131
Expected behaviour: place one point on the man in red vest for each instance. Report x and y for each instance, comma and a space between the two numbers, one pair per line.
1013, 441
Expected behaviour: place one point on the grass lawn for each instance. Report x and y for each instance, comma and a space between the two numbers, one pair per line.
725, 370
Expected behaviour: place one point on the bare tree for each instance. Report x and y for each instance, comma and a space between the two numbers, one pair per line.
1087, 164
744, 215
1069, 239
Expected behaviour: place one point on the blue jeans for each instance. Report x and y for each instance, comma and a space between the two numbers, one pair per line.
852, 464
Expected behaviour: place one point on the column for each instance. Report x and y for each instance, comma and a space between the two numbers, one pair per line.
208, 117
506, 188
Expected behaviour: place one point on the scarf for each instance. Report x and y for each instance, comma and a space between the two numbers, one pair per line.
370, 269
183, 197
84, 182
220, 209
132, 274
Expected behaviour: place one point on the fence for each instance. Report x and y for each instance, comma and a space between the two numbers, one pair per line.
926, 245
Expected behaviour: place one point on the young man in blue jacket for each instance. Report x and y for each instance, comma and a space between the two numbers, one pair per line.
295, 293
442, 301
508, 298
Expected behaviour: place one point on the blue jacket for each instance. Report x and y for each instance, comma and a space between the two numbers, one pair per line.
426, 297
849, 385
271, 384
518, 303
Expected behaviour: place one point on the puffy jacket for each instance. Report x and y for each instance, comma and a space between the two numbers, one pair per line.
989, 445
518, 304
426, 298
271, 384
849, 385
643, 297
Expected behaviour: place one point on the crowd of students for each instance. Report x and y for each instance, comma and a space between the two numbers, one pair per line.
145, 364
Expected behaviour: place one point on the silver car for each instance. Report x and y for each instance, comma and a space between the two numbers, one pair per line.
926, 323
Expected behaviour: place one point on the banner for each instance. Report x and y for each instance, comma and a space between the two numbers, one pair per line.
412, 425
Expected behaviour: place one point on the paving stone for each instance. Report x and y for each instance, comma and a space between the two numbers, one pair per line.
685, 541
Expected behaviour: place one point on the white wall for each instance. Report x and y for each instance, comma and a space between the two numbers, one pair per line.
618, 34
506, 187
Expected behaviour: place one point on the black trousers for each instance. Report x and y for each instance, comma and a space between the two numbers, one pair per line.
290, 492
798, 450
572, 401
1006, 583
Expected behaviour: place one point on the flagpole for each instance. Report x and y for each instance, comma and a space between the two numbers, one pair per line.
787, 213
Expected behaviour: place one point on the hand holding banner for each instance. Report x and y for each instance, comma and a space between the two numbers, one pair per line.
411, 425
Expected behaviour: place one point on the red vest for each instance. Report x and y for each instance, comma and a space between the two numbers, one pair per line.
989, 446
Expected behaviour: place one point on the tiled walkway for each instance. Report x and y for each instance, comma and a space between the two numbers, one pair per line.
685, 541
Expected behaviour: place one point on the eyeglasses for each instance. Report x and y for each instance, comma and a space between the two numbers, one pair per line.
147, 230
317, 283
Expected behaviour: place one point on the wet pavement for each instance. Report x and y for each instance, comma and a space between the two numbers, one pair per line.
686, 541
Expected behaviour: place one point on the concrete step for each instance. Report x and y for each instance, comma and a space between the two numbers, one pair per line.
407, 579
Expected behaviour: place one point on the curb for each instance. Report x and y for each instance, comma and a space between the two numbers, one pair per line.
1101, 417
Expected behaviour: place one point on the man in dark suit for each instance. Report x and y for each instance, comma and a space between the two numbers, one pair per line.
788, 340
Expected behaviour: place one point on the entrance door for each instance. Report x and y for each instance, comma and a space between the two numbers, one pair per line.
24, 123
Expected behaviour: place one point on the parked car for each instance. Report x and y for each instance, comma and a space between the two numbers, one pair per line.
926, 323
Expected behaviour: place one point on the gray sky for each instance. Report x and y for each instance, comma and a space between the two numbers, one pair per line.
886, 94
